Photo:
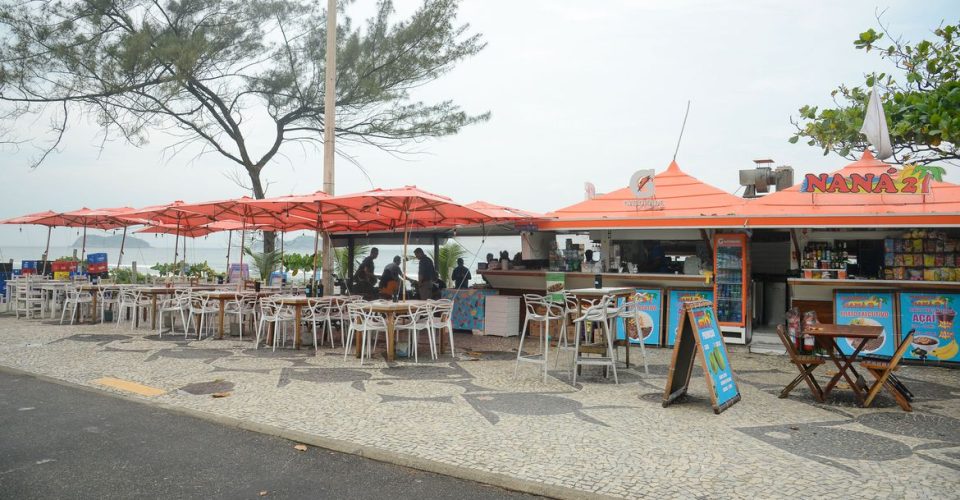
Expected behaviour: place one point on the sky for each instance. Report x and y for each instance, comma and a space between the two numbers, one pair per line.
578, 91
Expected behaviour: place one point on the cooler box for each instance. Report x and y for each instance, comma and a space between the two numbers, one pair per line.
502, 316
61, 275
97, 268
96, 258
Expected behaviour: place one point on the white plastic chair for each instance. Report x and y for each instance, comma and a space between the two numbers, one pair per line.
318, 313
106, 299
75, 299
275, 314
415, 320
441, 321
129, 302
244, 306
178, 305
29, 298
539, 310
202, 306
364, 321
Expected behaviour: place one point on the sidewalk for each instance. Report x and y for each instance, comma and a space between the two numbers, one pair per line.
473, 419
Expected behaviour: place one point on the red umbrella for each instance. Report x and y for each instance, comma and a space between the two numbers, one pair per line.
47, 216
198, 231
104, 218
173, 214
502, 213
407, 207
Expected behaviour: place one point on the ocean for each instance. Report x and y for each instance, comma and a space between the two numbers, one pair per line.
476, 250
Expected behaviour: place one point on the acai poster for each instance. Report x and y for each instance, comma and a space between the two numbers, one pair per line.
932, 317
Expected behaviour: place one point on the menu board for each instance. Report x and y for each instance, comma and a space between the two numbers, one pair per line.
714, 355
675, 300
867, 308
699, 332
555, 287
651, 317
932, 316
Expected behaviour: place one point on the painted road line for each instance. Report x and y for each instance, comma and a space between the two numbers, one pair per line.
126, 385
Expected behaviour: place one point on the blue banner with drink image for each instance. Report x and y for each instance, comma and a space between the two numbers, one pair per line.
714, 354
650, 306
932, 317
867, 308
675, 300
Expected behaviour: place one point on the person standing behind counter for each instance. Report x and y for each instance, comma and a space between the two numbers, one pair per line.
425, 276
589, 266
461, 275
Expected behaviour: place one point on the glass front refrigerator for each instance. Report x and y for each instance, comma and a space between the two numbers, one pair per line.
732, 286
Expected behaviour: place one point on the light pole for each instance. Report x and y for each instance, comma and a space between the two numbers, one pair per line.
329, 108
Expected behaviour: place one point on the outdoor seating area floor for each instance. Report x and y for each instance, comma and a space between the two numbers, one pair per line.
473, 413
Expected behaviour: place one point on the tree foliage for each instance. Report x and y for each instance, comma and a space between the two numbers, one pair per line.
447, 260
921, 101
240, 78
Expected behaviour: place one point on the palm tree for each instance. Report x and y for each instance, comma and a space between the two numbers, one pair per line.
449, 253
264, 262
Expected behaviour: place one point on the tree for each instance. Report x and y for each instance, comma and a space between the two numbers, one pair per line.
921, 102
265, 263
341, 260
225, 74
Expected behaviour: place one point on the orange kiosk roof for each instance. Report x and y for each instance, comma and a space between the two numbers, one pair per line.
690, 203
794, 208
679, 200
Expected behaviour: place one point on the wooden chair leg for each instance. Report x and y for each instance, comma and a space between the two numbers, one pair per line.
877, 385
806, 375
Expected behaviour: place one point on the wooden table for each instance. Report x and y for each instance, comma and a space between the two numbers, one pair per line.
389, 311
296, 302
826, 336
591, 295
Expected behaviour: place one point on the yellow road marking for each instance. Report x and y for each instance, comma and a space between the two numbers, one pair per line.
126, 385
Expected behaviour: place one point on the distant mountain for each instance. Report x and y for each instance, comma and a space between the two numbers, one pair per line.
302, 242
94, 241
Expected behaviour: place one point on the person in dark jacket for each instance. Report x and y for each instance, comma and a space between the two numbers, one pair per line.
426, 275
461, 276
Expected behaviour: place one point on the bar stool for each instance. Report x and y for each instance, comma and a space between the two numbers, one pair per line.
599, 312
539, 310
630, 310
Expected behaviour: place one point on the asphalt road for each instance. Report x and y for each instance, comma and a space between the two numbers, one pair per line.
62, 442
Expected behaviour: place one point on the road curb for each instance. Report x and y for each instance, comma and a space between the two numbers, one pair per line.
338, 445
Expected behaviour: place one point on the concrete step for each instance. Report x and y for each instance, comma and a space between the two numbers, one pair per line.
766, 343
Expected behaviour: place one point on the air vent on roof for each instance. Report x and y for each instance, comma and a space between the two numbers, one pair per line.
759, 179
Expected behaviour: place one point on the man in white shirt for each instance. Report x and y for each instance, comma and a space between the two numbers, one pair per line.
589, 266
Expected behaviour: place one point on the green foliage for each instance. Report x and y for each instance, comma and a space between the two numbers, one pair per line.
447, 260
67, 259
127, 276
202, 270
205, 68
300, 262
264, 263
167, 268
921, 102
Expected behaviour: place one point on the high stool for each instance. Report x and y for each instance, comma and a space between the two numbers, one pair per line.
539, 310
600, 312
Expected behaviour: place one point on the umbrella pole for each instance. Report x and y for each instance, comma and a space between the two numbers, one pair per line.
283, 268
229, 243
316, 255
46, 249
406, 238
83, 248
123, 241
176, 246
243, 239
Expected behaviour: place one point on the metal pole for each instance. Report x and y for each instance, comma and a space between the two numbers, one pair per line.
83, 250
229, 244
123, 241
329, 117
46, 250
436, 254
351, 256
176, 245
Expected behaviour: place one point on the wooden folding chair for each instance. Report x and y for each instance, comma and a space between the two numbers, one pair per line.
806, 364
882, 371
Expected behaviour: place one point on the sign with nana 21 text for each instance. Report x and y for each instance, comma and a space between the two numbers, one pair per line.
911, 179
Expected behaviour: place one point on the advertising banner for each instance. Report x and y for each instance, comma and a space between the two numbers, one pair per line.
650, 322
932, 317
675, 300
867, 308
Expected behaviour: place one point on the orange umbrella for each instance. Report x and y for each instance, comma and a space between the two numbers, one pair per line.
502, 213
198, 231
173, 214
47, 216
104, 218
